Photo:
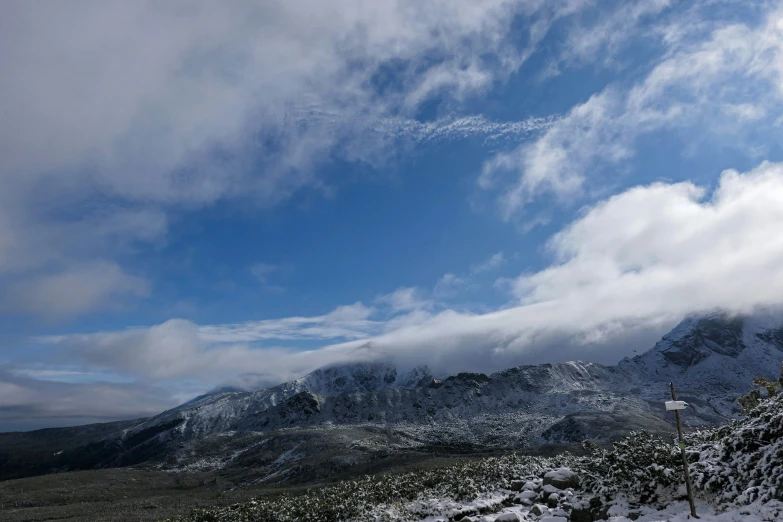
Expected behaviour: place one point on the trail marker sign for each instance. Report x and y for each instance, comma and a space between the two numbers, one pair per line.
676, 405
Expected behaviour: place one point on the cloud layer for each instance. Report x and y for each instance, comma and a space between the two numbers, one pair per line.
622, 275
117, 115
26, 402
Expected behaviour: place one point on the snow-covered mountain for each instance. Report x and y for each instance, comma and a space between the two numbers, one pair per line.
711, 359
222, 410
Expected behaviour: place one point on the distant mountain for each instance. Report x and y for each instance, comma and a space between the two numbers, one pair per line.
357, 411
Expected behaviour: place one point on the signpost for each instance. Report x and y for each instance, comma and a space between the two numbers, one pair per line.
676, 405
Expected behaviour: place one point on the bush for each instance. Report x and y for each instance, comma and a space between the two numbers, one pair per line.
643, 467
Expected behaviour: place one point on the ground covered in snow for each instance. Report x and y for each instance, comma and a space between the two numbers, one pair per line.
737, 472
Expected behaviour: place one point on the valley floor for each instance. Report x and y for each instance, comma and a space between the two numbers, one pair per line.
123, 494
111, 495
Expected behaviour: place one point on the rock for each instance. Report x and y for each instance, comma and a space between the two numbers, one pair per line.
531, 486
538, 510
562, 478
525, 497
581, 513
553, 519
552, 500
517, 485
508, 517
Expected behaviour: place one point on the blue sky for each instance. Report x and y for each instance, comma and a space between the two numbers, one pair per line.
198, 194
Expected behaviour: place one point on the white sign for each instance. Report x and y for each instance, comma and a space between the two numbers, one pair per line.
676, 405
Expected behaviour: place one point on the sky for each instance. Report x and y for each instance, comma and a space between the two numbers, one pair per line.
197, 194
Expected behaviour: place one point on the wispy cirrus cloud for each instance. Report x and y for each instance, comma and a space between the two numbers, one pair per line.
726, 84
494, 262
465, 127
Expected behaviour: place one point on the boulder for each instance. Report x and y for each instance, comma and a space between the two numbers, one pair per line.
581, 514
525, 497
508, 517
562, 478
589, 512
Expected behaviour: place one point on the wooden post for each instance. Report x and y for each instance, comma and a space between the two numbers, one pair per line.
684, 457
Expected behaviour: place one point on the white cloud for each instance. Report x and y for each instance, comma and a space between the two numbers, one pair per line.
665, 248
716, 85
181, 350
448, 285
405, 300
72, 291
601, 40
493, 263
349, 313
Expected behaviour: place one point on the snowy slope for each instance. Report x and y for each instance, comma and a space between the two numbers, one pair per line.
711, 360
736, 471
362, 377
219, 412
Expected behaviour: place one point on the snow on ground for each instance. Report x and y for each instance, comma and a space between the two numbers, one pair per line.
679, 512
675, 512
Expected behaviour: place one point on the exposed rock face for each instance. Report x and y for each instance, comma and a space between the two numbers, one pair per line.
716, 334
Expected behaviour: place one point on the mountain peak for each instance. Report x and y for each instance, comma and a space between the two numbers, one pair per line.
697, 338
363, 376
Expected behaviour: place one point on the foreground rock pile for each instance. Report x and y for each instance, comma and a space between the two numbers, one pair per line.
553, 496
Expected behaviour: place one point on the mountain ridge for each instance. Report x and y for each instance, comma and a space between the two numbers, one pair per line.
362, 410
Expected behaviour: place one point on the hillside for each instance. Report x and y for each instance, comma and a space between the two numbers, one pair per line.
736, 477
